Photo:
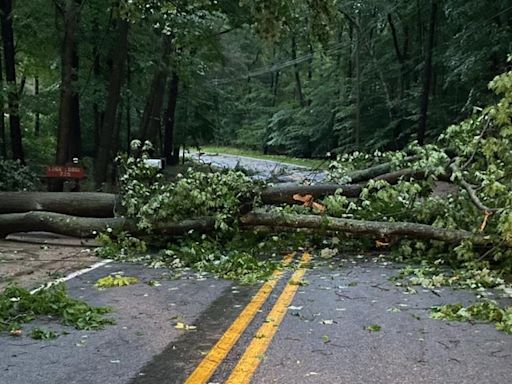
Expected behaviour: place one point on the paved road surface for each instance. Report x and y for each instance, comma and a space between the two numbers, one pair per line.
305, 329
263, 169
321, 339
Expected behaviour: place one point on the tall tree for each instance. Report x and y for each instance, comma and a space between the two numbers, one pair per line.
69, 11
427, 75
3, 144
171, 150
10, 76
117, 78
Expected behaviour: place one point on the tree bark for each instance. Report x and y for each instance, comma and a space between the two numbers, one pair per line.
37, 124
427, 80
10, 77
151, 119
75, 142
67, 89
378, 229
70, 203
169, 122
104, 154
298, 83
88, 227
3, 144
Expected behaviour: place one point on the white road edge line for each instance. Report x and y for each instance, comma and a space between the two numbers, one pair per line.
72, 275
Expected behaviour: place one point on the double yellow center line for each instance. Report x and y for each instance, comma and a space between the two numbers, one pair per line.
251, 358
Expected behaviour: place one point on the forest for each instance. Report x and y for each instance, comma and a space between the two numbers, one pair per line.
405, 104
308, 78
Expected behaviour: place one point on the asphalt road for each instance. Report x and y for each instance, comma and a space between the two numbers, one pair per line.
322, 338
263, 169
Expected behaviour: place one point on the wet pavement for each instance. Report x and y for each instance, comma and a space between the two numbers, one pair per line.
323, 337
263, 169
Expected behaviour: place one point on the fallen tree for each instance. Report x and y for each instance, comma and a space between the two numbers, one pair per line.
103, 205
86, 227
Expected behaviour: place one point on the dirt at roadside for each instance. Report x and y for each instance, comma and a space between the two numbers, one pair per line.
30, 265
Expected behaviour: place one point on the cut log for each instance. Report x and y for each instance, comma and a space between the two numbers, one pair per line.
378, 229
70, 203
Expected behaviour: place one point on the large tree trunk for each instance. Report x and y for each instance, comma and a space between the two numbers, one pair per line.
87, 227
3, 144
90, 227
152, 117
104, 154
169, 122
378, 229
10, 76
298, 83
71, 203
37, 123
427, 79
68, 97
75, 142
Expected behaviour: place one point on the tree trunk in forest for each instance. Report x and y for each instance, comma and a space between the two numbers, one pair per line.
37, 123
298, 83
357, 65
422, 123
10, 77
128, 105
119, 54
68, 98
75, 142
152, 117
3, 144
96, 69
169, 122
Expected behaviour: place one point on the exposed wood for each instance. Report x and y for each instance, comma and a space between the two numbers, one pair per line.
378, 229
71, 203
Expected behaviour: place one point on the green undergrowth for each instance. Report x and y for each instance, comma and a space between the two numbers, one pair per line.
310, 163
19, 307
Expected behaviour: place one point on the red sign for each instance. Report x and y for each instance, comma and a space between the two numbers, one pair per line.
65, 172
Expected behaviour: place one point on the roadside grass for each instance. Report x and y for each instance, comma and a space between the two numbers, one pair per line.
309, 163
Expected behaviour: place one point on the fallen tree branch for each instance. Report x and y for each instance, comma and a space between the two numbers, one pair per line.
471, 192
375, 228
